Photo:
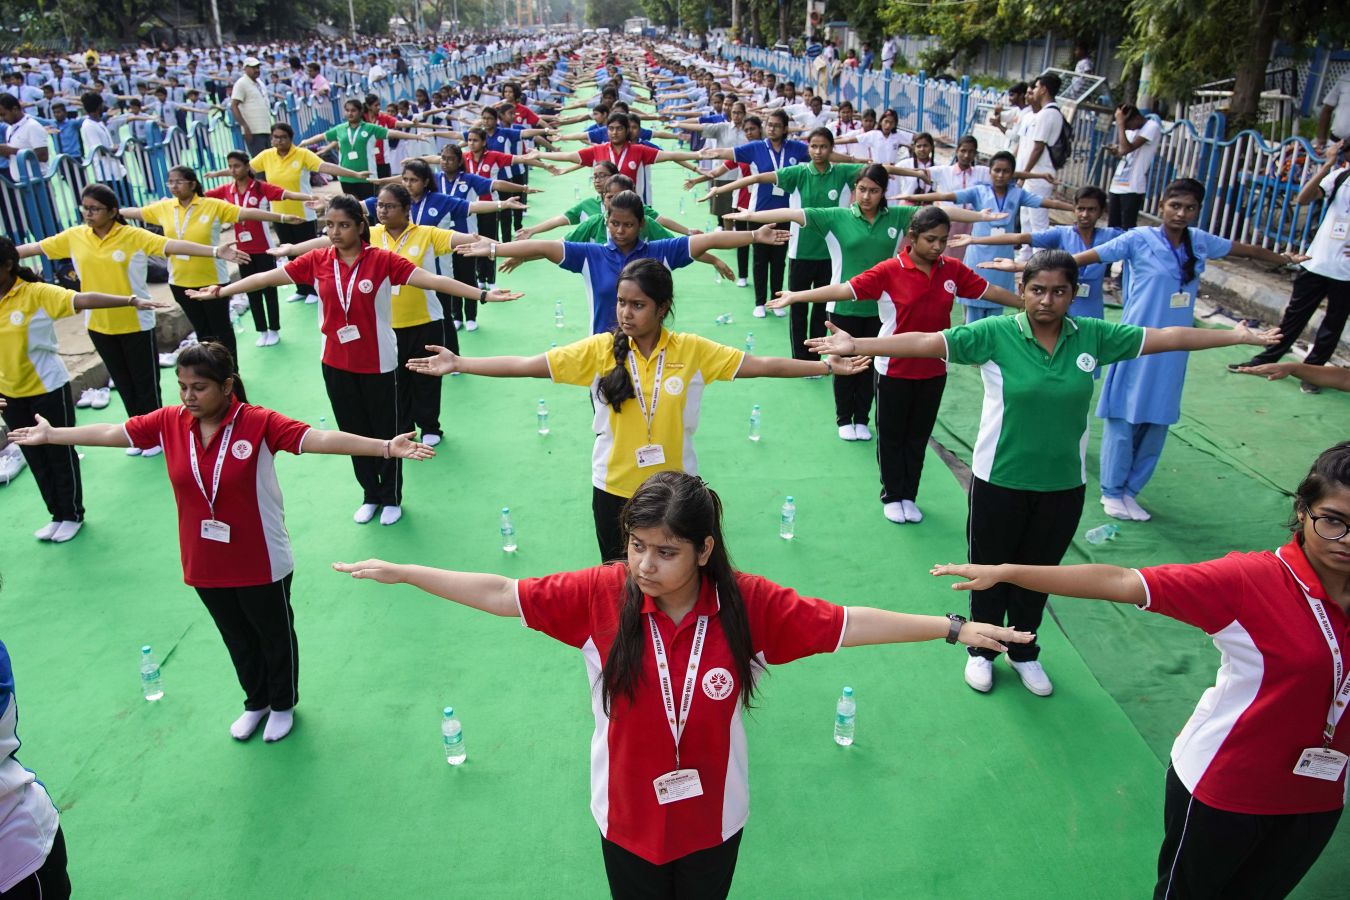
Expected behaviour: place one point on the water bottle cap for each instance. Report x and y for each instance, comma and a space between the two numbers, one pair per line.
756, 406
848, 692
505, 510
541, 400
449, 711
145, 649
789, 499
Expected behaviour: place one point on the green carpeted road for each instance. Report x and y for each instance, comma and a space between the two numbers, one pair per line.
945, 794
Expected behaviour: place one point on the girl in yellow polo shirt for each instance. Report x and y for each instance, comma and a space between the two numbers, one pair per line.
110, 257
33, 380
190, 216
651, 428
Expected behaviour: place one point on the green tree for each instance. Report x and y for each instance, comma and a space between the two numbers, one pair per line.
610, 13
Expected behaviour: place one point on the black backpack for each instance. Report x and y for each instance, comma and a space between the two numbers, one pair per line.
1062, 148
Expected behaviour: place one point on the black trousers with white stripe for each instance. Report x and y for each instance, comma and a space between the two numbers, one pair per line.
56, 469
258, 627
133, 365
1212, 853
367, 404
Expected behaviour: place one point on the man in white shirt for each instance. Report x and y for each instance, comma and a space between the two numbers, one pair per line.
1033, 148
375, 72
24, 134
1136, 145
888, 52
248, 104
93, 134
1335, 115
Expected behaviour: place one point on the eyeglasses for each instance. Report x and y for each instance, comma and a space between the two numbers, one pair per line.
93, 210
176, 181
1334, 529
388, 206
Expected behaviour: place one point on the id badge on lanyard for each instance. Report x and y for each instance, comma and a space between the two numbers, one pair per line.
212, 529
398, 250
678, 784
180, 225
241, 232
1322, 762
349, 332
649, 454
777, 164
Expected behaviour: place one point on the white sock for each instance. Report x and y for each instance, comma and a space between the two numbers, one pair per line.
245, 725
278, 725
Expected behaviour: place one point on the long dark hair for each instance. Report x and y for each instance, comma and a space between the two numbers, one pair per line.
878, 175
1329, 471
214, 362
242, 157
9, 259
354, 210
1186, 187
189, 174
690, 510
654, 280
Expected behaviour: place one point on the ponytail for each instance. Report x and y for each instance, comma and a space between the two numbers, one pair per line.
1186, 187
10, 254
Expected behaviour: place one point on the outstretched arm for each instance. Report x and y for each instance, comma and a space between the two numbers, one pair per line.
841, 291
340, 443
444, 284
1092, 582
909, 345
104, 434
1322, 376
768, 216
786, 367
445, 362
1186, 337
526, 250
494, 594
727, 240
867, 625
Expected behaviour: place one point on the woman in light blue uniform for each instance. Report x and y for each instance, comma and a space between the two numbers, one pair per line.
1142, 397
1001, 196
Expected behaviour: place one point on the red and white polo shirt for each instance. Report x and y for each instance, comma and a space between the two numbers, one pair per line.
1269, 702
248, 499
488, 166
370, 309
632, 161
909, 300
634, 745
251, 237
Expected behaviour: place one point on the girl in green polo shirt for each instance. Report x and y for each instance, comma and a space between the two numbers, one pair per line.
1026, 496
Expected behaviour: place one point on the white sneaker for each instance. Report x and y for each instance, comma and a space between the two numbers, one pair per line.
153, 451
846, 433
11, 463
741, 282
894, 511
470, 325
238, 306
311, 299
759, 312
262, 339
167, 360
1137, 512
912, 512
273, 338
780, 313
862, 432
133, 451
64, 532
46, 531
458, 324
1115, 508
296, 298
431, 440
100, 398
364, 513
390, 514
1034, 678
87, 395
980, 673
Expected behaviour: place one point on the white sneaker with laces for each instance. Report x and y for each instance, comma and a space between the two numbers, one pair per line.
11, 463
894, 511
87, 395
311, 299
759, 312
364, 513
1034, 678
780, 313
863, 433
846, 433
1115, 508
470, 325
46, 531
64, 532
741, 282
133, 451
153, 451
431, 440
100, 398
390, 514
1137, 512
980, 673
912, 512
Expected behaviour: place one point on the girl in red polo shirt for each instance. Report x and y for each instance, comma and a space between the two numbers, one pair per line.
236, 553
668, 756
1257, 778
356, 284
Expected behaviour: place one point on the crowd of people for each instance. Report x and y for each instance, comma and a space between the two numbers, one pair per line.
858, 236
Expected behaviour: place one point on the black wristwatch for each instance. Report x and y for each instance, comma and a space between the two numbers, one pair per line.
955, 630
482, 296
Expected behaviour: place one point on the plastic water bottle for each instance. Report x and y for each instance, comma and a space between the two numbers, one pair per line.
1102, 533
508, 532
452, 735
749, 342
681, 204
787, 520
323, 422
576, 192
152, 685
542, 415
754, 422
845, 714
558, 313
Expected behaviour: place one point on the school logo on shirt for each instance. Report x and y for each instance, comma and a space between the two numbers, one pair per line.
792, 160
673, 385
205, 217
718, 684
892, 233
296, 164
949, 286
412, 251
16, 317
252, 201
461, 188
241, 449
632, 164
434, 211
119, 256
1087, 362
834, 195
365, 286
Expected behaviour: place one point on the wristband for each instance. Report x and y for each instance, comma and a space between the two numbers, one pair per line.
482, 295
492, 251
131, 301
386, 452
215, 252
954, 630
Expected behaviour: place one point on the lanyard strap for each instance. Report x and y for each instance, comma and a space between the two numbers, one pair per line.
398, 248
179, 225
619, 162
220, 462
782, 151
419, 208
1000, 202
648, 415
1340, 684
345, 297
1181, 264
242, 199
677, 723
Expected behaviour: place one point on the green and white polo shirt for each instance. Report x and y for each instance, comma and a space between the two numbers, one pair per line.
809, 188
356, 147
1034, 424
856, 245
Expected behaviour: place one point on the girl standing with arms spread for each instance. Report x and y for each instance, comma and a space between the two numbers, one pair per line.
355, 140
188, 215
671, 813
110, 257
1256, 782
34, 382
644, 419
248, 193
1026, 496
220, 454
357, 342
